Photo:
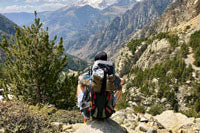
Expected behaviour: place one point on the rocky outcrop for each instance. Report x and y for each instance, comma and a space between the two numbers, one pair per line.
178, 12
154, 54
145, 56
174, 121
95, 126
105, 126
124, 61
166, 122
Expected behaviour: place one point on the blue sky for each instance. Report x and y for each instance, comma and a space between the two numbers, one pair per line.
32, 5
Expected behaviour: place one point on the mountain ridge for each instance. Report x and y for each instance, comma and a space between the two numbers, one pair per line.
120, 30
7, 29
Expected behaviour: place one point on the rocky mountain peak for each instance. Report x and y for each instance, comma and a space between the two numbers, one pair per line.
102, 4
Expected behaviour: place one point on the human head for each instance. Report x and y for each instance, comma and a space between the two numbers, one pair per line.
101, 56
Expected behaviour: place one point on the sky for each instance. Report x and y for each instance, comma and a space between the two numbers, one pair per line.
7, 6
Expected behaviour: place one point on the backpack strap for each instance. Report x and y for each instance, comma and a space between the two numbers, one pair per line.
103, 86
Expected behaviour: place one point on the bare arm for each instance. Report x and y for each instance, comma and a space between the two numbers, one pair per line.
118, 94
79, 88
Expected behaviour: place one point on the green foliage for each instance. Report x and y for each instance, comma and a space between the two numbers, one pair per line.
34, 68
161, 36
184, 50
65, 94
139, 109
166, 73
194, 43
2, 76
58, 115
156, 109
191, 113
194, 99
123, 103
172, 38
197, 56
15, 117
133, 44
75, 63
65, 116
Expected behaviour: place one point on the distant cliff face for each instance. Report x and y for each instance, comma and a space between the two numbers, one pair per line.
178, 12
119, 31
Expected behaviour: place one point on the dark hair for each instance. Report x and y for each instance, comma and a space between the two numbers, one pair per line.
101, 56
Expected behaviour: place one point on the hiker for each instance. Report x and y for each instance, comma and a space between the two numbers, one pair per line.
99, 90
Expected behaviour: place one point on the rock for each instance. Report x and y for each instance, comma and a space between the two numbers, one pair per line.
197, 120
76, 126
57, 124
186, 131
1, 98
104, 126
173, 121
143, 119
148, 116
163, 131
163, 100
2, 130
119, 117
151, 130
131, 117
66, 127
142, 127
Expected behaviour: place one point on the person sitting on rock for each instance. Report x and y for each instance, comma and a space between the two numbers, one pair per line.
99, 90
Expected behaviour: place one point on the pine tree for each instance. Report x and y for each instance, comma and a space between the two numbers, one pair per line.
34, 66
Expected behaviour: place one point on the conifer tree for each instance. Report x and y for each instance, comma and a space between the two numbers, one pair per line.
34, 65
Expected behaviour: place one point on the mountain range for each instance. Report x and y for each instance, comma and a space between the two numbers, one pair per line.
79, 20
7, 29
91, 26
119, 31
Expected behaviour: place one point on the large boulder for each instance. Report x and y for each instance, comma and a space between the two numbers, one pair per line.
173, 121
104, 126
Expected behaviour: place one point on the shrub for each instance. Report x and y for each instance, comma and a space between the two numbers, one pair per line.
188, 27
35, 66
139, 109
161, 36
58, 115
156, 109
66, 116
146, 90
172, 38
123, 103
194, 43
16, 117
133, 44
184, 50
191, 113
197, 56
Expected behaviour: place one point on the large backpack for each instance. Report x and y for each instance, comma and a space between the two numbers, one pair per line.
98, 96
